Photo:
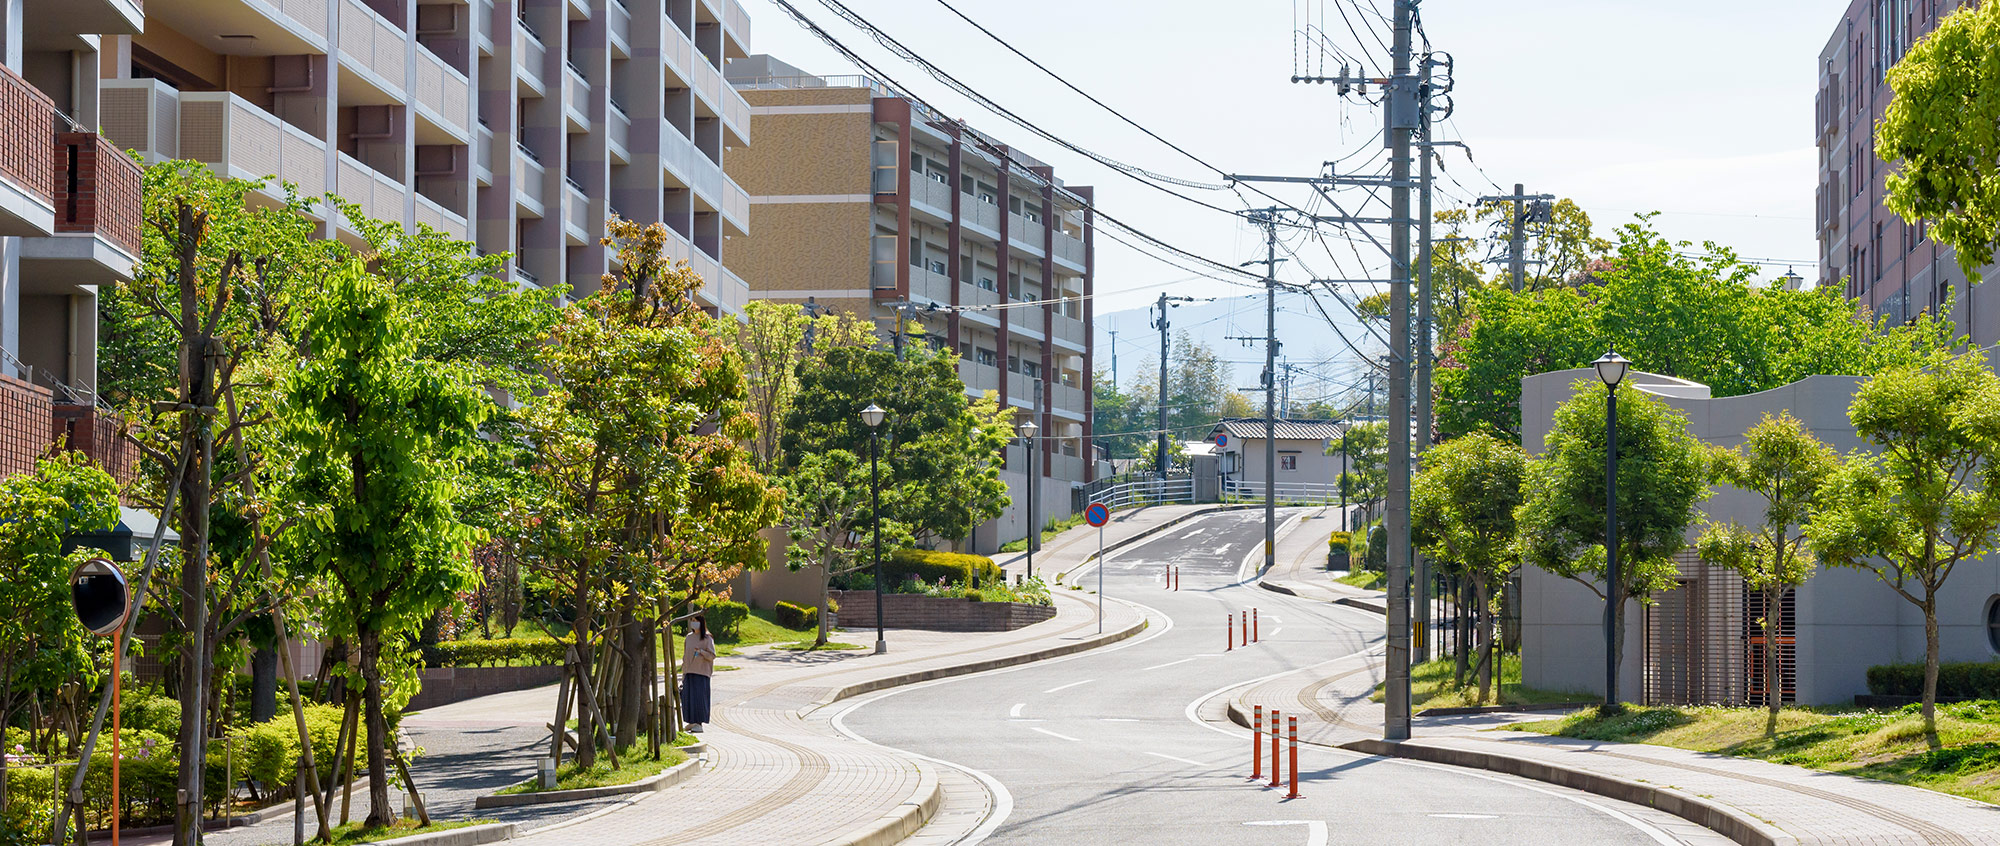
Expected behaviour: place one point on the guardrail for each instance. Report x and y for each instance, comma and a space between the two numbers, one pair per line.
1319, 493
1147, 492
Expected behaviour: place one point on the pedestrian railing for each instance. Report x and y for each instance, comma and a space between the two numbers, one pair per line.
1147, 492
1316, 493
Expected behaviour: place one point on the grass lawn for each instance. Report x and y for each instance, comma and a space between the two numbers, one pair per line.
1430, 687
759, 628
1049, 533
1366, 579
352, 833
1885, 745
571, 777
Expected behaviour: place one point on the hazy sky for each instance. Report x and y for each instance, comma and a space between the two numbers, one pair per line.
1697, 108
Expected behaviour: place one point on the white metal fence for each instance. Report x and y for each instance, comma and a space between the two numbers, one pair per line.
1147, 492
1313, 492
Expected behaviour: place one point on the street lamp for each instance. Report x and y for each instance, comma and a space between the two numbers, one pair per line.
1027, 430
1611, 371
1344, 430
872, 415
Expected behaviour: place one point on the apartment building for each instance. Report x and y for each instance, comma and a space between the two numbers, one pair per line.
868, 203
520, 125
1890, 266
69, 223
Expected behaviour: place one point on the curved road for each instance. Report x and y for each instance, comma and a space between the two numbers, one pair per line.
1110, 747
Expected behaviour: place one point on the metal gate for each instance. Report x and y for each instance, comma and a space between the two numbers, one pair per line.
1703, 644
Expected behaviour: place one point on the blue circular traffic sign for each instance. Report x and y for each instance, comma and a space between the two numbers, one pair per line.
1097, 515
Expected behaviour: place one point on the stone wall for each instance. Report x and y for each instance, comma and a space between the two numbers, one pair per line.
445, 685
936, 613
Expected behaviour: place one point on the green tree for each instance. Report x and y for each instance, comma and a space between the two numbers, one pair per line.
1366, 477
1781, 462
1462, 507
1929, 500
1938, 131
1663, 475
776, 338
828, 517
41, 644
1235, 404
1115, 414
382, 436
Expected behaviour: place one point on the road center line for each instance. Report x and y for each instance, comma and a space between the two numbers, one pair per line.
1016, 710
1170, 663
1174, 758
1315, 829
1068, 686
1054, 735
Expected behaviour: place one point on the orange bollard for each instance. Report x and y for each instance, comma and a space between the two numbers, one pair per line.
1255, 636
1229, 630
1169, 576
1257, 743
1177, 578
1245, 622
1274, 748
1294, 724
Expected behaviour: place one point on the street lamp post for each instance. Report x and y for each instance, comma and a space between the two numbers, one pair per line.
1611, 371
1027, 430
873, 415
1343, 475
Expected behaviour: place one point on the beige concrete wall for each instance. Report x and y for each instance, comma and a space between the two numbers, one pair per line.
805, 246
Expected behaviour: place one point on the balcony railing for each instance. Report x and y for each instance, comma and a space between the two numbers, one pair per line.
24, 150
380, 50
442, 90
99, 193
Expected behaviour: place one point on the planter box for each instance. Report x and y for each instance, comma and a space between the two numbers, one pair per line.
445, 685
936, 613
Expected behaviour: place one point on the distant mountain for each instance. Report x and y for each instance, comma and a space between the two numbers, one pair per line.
1323, 366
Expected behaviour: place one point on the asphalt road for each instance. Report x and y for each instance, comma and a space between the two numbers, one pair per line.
1107, 747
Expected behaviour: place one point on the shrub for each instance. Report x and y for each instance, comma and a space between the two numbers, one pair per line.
796, 617
1377, 555
145, 708
1337, 542
930, 565
723, 616
482, 653
268, 752
1958, 680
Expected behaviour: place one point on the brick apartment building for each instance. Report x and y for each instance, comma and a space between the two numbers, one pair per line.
869, 204
1892, 267
69, 223
518, 124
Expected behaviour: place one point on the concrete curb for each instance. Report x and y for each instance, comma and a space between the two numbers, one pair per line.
679, 773
1364, 604
980, 666
1114, 547
471, 835
1728, 821
907, 817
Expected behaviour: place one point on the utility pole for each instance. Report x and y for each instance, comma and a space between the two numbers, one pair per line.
1422, 652
1114, 361
1537, 211
1160, 322
1402, 105
1268, 218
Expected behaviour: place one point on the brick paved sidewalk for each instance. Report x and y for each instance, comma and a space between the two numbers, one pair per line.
1767, 803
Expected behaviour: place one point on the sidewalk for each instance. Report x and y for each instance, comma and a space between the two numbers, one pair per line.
1749, 801
1074, 547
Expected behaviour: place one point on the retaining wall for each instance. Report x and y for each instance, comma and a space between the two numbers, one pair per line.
936, 613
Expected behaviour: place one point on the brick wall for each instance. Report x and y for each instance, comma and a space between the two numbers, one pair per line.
25, 411
29, 116
445, 685
97, 189
936, 613
95, 434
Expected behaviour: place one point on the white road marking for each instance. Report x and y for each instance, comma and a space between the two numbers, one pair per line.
1182, 760
1054, 735
1169, 664
1315, 829
1219, 550
1068, 686
1465, 816
1016, 710
1117, 719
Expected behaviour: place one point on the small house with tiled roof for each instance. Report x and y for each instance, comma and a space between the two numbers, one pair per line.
1304, 469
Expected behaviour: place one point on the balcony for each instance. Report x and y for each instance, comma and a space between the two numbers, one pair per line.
443, 94
927, 283
678, 52
1071, 332
378, 195
1069, 399
1070, 250
27, 180
528, 177
687, 166
237, 139
97, 238
1068, 468
1020, 390
978, 377
85, 17
931, 192
735, 117
618, 133
735, 206
980, 212
529, 56
1022, 316
707, 85
437, 217
483, 26
374, 45
483, 163
576, 214
576, 99
276, 27
735, 28
973, 295
618, 25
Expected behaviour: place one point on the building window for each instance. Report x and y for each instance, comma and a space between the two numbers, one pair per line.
1288, 462
935, 266
1013, 364
916, 251
987, 357
986, 283
1993, 623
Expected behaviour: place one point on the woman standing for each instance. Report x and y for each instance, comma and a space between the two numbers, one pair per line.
698, 657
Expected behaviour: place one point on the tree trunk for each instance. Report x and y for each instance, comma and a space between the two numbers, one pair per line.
631, 690
825, 602
1483, 584
263, 684
1930, 668
1462, 627
379, 811
1773, 696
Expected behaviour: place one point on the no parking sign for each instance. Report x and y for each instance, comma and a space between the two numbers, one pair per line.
1097, 515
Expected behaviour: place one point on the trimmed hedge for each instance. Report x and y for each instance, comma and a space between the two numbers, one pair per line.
930, 566
797, 617
1961, 680
539, 651
723, 616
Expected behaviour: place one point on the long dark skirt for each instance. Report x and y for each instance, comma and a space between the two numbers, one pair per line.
694, 698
